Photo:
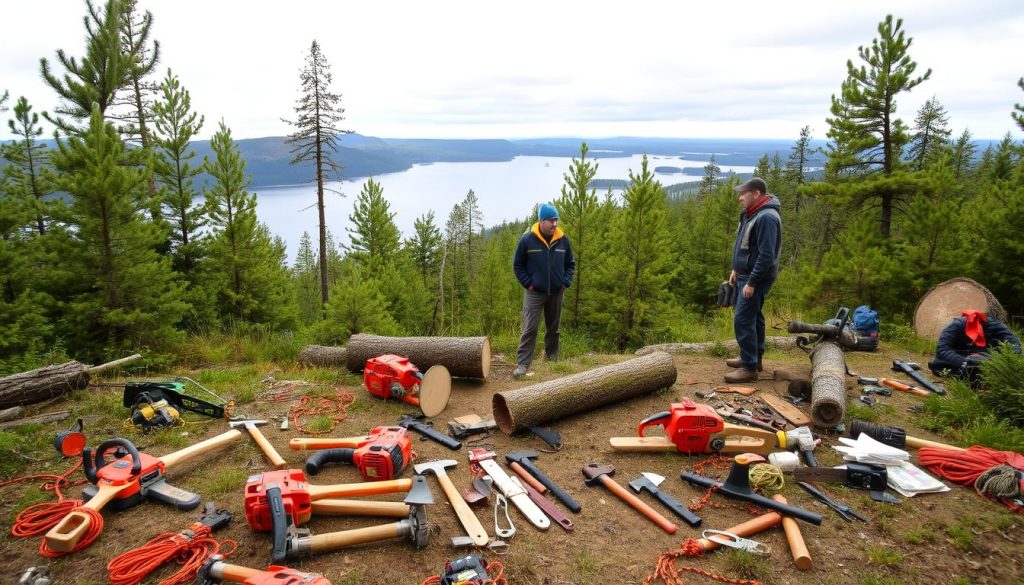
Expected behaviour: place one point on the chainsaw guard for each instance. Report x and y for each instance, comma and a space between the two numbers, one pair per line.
655, 420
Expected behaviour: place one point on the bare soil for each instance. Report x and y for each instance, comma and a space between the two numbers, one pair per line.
955, 537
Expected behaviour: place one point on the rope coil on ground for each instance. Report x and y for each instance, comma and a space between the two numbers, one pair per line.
335, 407
188, 550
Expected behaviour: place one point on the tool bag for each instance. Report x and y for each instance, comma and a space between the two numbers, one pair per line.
726, 296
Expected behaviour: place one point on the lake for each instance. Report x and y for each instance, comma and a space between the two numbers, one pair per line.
506, 191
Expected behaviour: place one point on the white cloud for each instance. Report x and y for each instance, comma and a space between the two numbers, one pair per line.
531, 68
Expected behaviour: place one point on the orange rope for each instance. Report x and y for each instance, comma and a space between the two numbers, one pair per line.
336, 408
39, 518
190, 549
667, 572
92, 533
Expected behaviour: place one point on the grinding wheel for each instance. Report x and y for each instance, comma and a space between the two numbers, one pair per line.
435, 390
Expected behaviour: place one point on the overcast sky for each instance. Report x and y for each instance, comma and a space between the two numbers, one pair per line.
479, 69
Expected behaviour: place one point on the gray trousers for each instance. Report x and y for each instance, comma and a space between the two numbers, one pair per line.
533, 304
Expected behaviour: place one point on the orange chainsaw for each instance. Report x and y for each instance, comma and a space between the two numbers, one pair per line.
693, 428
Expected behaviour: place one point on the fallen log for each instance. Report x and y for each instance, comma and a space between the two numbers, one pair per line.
38, 419
828, 384
465, 357
51, 381
776, 342
547, 401
10, 413
322, 356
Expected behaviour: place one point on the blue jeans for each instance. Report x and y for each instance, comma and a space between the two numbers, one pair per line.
748, 323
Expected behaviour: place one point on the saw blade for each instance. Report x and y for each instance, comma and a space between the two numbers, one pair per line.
829, 474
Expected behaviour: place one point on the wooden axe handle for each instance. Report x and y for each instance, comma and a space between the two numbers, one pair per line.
528, 477
752, 526
335, 540
638, 505
172, 459
370, 488
301, 444
918, 443
467, 518
275, 458
237, 573
360, 508
797, 546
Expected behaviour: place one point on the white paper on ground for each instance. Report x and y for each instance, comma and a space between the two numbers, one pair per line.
864, 449
909, 480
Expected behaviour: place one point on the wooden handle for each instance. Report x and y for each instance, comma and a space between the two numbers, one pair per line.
113, 364
469, 521
797, 546
275, 458
896, 385
766, 441
172, 459
360, 508
335, 540
752, 526
528, 477
918, 443
315, 444
639, 505
347, 490
744, 390
236, 573
72, 528
642, 444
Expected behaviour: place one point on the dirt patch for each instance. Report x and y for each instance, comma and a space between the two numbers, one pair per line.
927, 539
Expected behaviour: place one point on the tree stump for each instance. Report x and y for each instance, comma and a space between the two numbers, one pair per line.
947, 300
322, 356
547, 401
465, 357
828, 385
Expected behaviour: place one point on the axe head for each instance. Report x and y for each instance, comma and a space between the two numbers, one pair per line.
646, 482
902, 366
420, 493
654, 477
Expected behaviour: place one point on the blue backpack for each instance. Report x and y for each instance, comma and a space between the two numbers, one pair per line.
865, 321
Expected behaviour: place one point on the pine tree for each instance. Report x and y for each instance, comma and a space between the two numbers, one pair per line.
857, 269
374, 237
962, 156
712, 173
175, 126
142, 57
474, 219
1004, 159
96, 77
867, 137
357, 305
424, 250
931, 134
306, 276
763, 167
315, 137
28, 176
704, 239
1018, 113
126, 296
495, 294
245, 266
635, 276
3, 101
579, 211
452, 285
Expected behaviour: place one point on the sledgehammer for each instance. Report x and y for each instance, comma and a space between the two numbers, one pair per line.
894, 436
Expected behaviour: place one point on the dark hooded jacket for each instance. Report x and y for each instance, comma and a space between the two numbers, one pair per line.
954, 345
544, 266
755, 255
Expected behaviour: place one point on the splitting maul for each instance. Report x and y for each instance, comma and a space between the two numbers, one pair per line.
125, 481
280, 501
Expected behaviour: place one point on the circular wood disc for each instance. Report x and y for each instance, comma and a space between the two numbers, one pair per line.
947, 300
435, 390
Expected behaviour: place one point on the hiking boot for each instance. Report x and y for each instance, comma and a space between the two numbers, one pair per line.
741, 375
736, 363
519, 372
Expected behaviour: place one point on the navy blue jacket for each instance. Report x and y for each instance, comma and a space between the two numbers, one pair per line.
542, 266
755, 255
954, 345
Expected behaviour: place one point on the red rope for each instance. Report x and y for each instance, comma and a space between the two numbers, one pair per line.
336, 407
95, 527
190, 549
39, 518
963, 467
667, 572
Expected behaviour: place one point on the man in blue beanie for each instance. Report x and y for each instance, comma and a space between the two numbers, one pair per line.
755, 264
544, 265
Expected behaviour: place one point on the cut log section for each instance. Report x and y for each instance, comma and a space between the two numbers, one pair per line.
828, 385
518, 409
322, 356
465, 357
51, 381
947, 300
776, 342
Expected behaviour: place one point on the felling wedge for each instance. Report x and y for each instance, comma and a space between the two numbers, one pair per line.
697, 428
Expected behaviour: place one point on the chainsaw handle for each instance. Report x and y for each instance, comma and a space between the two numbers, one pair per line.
652, 421
101, 453
279, 524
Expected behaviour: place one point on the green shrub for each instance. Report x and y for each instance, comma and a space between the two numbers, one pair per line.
993, 433
1003, 385
958, 408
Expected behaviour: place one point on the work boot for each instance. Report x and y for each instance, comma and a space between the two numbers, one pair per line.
519, 372
741, 375
736, 363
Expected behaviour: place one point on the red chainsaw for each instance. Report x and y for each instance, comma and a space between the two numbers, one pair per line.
696, 428
381, 455
392, 376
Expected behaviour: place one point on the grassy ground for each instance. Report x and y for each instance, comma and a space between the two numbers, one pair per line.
941, 538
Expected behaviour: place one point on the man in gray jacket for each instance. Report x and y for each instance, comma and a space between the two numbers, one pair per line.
755, 264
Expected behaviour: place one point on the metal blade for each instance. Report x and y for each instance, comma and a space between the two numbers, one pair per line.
830, 474
653, 477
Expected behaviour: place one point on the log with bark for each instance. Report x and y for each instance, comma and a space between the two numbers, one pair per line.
777, 342
828, 384
37, 419
465, 357
548, 401
322, 356
51, 381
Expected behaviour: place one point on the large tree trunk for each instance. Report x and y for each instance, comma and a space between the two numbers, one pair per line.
518, 409
828, 385
42, 384
322, 356
465, 357
947, 300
